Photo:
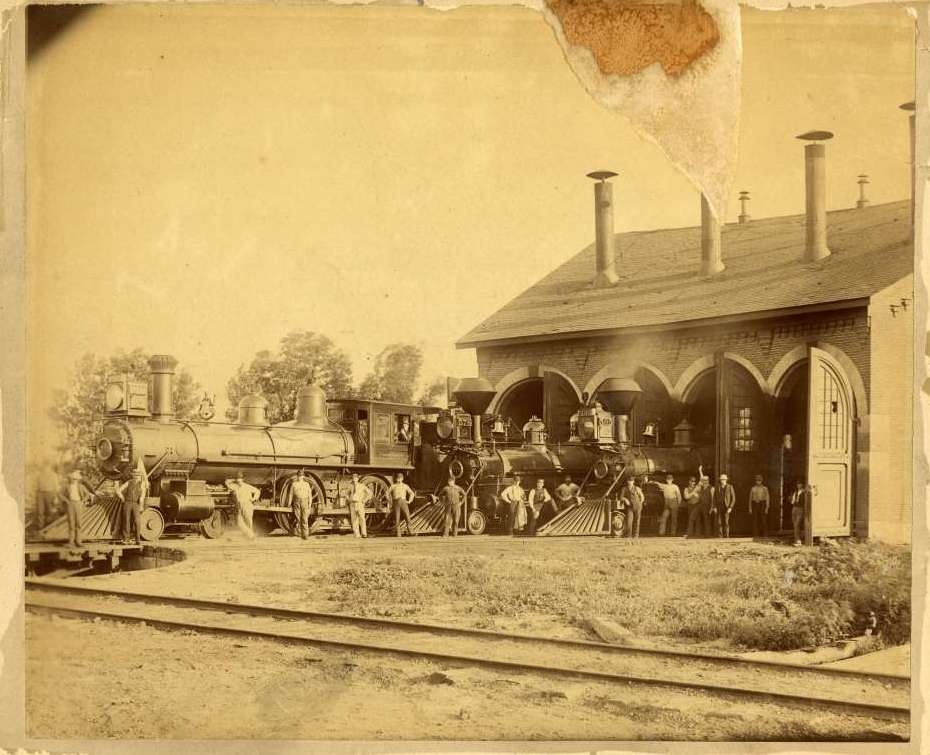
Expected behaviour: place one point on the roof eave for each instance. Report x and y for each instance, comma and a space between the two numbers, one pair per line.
466, 343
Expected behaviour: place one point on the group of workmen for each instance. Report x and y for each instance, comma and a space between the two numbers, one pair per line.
73, 496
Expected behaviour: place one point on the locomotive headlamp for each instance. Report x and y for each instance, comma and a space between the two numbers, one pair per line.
115, 396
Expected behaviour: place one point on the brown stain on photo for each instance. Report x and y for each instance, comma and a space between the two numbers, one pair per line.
628, 36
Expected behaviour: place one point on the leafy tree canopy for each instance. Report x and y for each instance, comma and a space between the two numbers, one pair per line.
279, 375
395, 375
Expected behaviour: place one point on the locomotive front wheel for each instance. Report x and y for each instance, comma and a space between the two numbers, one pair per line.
214, 525
476, 522
151, 525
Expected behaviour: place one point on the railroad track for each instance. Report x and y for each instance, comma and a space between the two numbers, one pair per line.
841, 691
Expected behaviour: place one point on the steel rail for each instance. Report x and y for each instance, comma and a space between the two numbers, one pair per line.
880, 710
482, 634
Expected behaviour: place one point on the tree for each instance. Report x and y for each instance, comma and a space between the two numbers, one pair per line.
78, 410
395, 374
434, 393
278, 376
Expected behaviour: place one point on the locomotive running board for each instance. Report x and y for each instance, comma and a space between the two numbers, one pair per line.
589, 518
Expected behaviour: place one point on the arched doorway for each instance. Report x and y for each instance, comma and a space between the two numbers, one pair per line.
791, 421
551, 397
728, 410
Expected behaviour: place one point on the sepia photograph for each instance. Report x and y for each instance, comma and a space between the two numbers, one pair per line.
503, 374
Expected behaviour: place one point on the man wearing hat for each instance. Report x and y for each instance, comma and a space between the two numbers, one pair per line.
725, 500
452, 496
514, 496
132, 494
402, 496
359, 495
699, 518
245, 496
75, 497
671, 497
631, 501
301, 493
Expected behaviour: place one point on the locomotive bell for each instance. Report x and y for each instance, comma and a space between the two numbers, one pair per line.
619, 394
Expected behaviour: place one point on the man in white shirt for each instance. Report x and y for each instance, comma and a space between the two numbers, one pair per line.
301, 494
245, 496
759, 507
402, 496
671, 495
359, 495
514, 496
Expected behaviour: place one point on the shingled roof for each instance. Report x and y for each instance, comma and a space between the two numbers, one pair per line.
660, 281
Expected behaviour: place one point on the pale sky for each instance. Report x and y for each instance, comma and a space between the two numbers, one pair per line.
203, 180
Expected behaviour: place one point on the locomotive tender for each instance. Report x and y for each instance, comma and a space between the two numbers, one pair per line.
189, 461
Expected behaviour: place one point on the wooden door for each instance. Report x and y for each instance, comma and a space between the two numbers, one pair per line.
829, 450
560, 402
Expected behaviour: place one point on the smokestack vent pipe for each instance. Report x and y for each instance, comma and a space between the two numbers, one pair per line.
911, 107
711, 258
162, 369
606, 270
815, 179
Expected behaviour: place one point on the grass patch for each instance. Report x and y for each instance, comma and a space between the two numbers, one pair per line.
756, 596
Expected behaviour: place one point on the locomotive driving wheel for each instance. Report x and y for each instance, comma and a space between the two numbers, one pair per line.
286, 520
151, 525
377, 520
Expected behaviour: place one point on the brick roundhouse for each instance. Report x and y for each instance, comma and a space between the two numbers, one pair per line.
786, 342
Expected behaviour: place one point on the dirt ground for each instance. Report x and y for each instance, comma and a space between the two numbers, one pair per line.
99, 679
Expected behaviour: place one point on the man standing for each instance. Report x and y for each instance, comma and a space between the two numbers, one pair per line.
759, 507
301, 493
359, 495
671, 496
76, 496
132, 494
245, 496
567, 494
701, 515
538, 498
800, 503
452, 496
691, 495
725, 500
402, 496
46, 495
631, 500
514, 496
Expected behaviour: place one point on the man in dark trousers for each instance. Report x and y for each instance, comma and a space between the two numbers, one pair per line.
132, 495
759, 507
402, 496
800, 505
452, 496
700, 517
631, 501
75, 496
725, 500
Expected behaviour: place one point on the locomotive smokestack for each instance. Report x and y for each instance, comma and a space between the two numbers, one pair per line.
474, 395
162, 369
815, 179
711, 259
606, 270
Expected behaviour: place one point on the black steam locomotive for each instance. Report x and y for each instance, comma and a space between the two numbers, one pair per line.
189, 461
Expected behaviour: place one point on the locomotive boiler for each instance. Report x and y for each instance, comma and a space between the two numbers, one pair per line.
477, 450
189, 461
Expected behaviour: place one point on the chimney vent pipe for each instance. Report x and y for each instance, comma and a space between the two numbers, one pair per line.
606, 270
815, 178
743, 215
711, 259
862, 201
911, 107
